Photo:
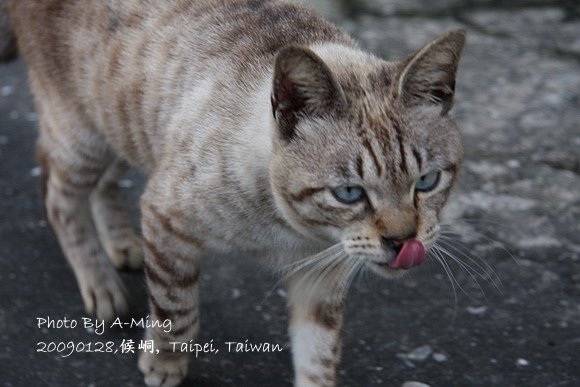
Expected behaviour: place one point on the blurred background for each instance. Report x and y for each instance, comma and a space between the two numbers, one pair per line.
507, 314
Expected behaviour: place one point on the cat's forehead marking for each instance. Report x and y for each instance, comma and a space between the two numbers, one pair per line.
384, 138
370, 120
366, 82
369, 148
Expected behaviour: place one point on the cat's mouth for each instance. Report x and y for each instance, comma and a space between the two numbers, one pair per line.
410, 254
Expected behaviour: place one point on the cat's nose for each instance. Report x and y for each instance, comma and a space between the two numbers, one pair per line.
395, 243
391, 243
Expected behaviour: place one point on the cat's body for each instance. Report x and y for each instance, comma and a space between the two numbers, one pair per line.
250, 118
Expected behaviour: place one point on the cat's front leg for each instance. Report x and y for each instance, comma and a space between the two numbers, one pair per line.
315, 318
171, 261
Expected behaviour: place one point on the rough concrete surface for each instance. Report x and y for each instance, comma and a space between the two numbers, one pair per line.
516, 211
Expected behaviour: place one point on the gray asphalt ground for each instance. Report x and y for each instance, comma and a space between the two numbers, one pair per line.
516, 211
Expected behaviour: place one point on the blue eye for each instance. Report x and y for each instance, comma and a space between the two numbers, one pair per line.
348, 195
427, 182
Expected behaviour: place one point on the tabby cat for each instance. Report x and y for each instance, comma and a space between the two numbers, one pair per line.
262, 128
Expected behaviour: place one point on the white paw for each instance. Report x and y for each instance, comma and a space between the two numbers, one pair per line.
125, 253
163, 369
104, 295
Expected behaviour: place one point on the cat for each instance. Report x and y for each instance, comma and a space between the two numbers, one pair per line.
263, 128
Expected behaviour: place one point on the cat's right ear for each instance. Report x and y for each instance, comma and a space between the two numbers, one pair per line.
428, 76
303, 87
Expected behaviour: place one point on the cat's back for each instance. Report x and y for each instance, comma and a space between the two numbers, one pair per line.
60, 35
250, 30
126, 64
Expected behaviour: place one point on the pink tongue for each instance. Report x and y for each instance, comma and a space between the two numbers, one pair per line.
412, 254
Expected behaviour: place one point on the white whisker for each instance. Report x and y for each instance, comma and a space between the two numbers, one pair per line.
468, 269
476, 221
440, 253
487, 272
447, 270
308, 265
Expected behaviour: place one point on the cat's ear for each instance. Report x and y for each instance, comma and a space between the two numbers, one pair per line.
428, 76
303, 87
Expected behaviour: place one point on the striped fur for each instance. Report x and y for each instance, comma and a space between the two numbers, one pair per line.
245, 114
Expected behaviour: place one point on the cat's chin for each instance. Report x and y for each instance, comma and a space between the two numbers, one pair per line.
384, 270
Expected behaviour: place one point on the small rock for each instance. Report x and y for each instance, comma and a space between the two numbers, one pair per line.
418, 354
35, 172
476, 310
439, 357
31, 117
7, 90
553, 99
125, 183
235, 293
415, 384
522, 362
281, 293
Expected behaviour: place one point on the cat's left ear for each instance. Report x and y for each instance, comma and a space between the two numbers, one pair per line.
303, 87
428, 76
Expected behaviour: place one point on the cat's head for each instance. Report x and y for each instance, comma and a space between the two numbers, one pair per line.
365, 153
